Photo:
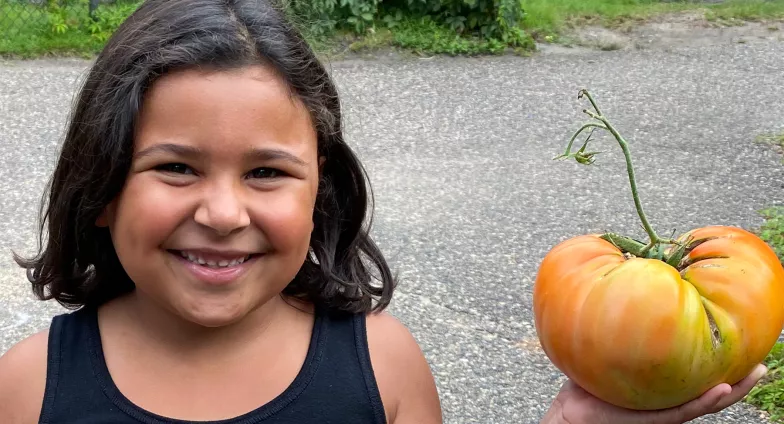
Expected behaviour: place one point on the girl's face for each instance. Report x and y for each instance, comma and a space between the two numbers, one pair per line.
216, 214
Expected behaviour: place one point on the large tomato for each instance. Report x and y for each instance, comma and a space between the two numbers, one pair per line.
644, 334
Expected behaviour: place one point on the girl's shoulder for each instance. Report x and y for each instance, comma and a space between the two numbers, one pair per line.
402, 372
23, 379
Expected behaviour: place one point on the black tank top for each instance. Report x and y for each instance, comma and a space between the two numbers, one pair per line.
335, 385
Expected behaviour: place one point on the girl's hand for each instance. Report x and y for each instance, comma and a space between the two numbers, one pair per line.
573, 405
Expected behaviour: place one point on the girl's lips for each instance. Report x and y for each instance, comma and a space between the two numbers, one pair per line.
215, 276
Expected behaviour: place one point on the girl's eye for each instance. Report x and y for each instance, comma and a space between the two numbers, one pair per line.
265, 173
175, 168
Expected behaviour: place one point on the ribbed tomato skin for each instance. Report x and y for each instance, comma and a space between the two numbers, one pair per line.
637, 333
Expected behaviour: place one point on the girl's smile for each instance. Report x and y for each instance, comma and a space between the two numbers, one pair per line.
215, 267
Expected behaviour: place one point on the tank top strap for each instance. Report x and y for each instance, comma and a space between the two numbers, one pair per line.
347, 371
70, 379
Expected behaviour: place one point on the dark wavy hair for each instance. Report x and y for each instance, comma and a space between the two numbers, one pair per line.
78, 265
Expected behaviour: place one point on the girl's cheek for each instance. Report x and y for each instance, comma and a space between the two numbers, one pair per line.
285, 218
153, 208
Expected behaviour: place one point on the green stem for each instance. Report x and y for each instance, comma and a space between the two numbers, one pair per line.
654, 238
590, 99
625, 244
576, 134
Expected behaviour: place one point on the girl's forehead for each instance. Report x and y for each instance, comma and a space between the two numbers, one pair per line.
189, 84
224, 104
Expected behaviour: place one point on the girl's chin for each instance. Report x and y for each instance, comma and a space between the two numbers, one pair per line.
213, 318
215, 313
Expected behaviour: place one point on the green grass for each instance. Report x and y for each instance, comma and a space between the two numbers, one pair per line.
551, 17
769, 394
776, 140
546, 20
747, 10
772, 230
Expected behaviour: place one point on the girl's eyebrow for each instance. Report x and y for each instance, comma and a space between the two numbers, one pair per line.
274, 154
171, 148
194, 152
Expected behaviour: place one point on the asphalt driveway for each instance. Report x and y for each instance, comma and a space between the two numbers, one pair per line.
468, 199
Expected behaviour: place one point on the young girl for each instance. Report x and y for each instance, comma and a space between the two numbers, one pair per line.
205, 219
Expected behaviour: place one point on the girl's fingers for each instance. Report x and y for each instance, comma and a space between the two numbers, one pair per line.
714, 400
705, 404
743, 387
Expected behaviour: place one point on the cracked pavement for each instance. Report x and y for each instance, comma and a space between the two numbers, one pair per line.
467, 197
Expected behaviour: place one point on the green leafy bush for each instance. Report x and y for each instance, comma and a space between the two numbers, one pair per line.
498, 20
107, 19
320, 17
490, 19
71, 15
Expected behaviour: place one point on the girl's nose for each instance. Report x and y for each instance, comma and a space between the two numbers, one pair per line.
222, 209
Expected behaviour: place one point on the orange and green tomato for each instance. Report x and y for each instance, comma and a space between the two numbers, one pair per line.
642, 334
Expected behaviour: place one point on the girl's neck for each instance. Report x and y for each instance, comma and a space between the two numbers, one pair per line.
161, 328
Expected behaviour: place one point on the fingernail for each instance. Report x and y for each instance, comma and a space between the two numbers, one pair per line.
759, 372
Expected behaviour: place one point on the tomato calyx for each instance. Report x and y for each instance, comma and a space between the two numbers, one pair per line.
674, 253
637, 248
625, 244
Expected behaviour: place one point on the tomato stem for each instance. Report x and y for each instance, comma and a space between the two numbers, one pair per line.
625, 244
587, 158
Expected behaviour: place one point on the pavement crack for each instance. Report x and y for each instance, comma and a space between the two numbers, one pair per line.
479, 322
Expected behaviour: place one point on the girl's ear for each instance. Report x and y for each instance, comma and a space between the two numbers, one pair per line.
103, 218
322, 159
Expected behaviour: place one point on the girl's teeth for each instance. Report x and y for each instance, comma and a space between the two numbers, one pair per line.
213, 264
